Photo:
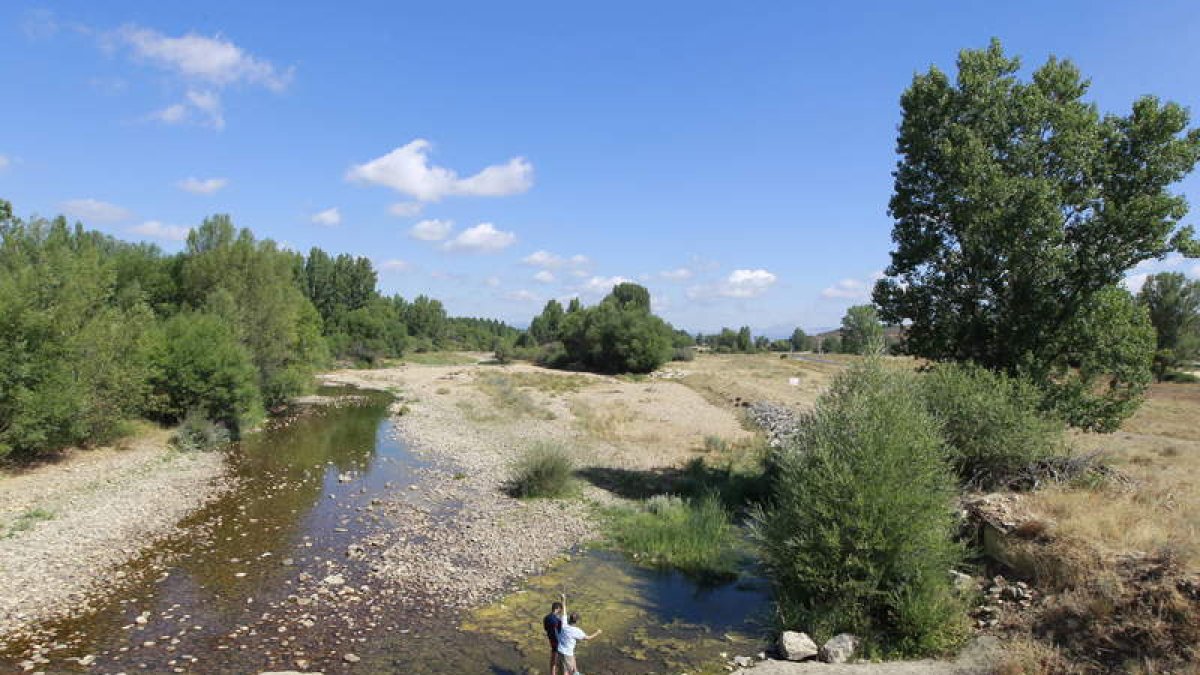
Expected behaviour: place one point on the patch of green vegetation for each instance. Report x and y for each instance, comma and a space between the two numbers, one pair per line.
438, 359
27, 520
695, 536
544, 470
199, 433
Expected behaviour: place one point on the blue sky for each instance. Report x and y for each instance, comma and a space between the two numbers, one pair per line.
734, 157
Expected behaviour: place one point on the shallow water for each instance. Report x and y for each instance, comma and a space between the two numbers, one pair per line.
216, 599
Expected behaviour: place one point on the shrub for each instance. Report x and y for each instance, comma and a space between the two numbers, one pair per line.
858, 534
199, 433
619, 335
991, 422
694, 536
201, 366
545, 470
684, 354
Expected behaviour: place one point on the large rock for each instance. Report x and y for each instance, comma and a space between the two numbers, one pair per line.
795, 646
839, 648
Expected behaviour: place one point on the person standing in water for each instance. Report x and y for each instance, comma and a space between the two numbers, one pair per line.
552, 623
567, 637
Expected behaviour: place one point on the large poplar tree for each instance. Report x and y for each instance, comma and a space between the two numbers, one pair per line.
1018, 209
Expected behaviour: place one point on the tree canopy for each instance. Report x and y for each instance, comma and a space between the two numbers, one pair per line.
1018, 208
861, 329
1174, 306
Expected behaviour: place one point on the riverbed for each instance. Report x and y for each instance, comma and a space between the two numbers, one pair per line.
283, 572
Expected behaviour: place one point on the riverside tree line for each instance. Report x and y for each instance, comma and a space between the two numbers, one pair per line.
95, 332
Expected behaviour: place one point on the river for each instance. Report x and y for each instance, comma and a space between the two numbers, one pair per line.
273, 576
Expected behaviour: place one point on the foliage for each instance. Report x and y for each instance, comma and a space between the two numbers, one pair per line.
694, 536
1017, 206
1110, 346
252, 285
202, 368
832, 344
802, 342
199, 433
858, 533
729, 341
1174, 306
547, 326
861, 330
544, 470
992, 424
619, 335
73, 345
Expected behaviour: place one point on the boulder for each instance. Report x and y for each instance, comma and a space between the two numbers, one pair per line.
839, 648
796, 646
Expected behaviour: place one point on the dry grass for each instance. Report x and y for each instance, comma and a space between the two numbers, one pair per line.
509, 400
549, 382
610, 423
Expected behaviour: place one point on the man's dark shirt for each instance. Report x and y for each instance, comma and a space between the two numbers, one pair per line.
551, 624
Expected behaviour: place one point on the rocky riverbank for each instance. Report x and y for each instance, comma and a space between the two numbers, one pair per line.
66, 526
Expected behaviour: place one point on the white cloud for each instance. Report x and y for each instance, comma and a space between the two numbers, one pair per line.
4, 162
95, 210
483, 238
521, 295
601, 285
1134, 282
747, 283
544, 276
740, 284
157, 230
848, 289
679, 274
493, 282
431, 230
407, 170
202, 186
204, 65
395, 266
211, 60
406, 209
176, 113
576, 264
329, 217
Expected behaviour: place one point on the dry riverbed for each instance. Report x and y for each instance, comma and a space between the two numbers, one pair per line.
66, 526
475, 420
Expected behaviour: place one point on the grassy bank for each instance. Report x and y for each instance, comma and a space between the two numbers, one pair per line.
694, 536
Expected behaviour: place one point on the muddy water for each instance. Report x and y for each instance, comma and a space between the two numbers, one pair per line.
268, 577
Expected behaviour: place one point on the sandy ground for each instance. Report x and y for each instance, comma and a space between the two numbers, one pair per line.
64, 526
476, 420
976, 659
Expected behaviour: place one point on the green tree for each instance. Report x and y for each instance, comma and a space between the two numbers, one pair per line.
745, 341
73, 346
201, 365
1016, 206
832, 344
861, 329
618, 336
800, 341
253, 285
1174, 306
630, 295
546, 326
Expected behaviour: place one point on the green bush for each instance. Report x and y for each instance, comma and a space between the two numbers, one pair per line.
858, 534
684, 354
619, 335
992, 423
694, 536
202, 366
199, 433
544, 470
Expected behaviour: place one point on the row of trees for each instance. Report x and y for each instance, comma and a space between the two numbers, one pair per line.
96, 331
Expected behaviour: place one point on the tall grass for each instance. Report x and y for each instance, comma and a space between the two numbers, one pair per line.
858, 533
507, 397
694, 536
544, 470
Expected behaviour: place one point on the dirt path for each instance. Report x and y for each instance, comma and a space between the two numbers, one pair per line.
63, 526
977, 659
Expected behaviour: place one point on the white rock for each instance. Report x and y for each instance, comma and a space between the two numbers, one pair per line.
796, 646
839, 648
